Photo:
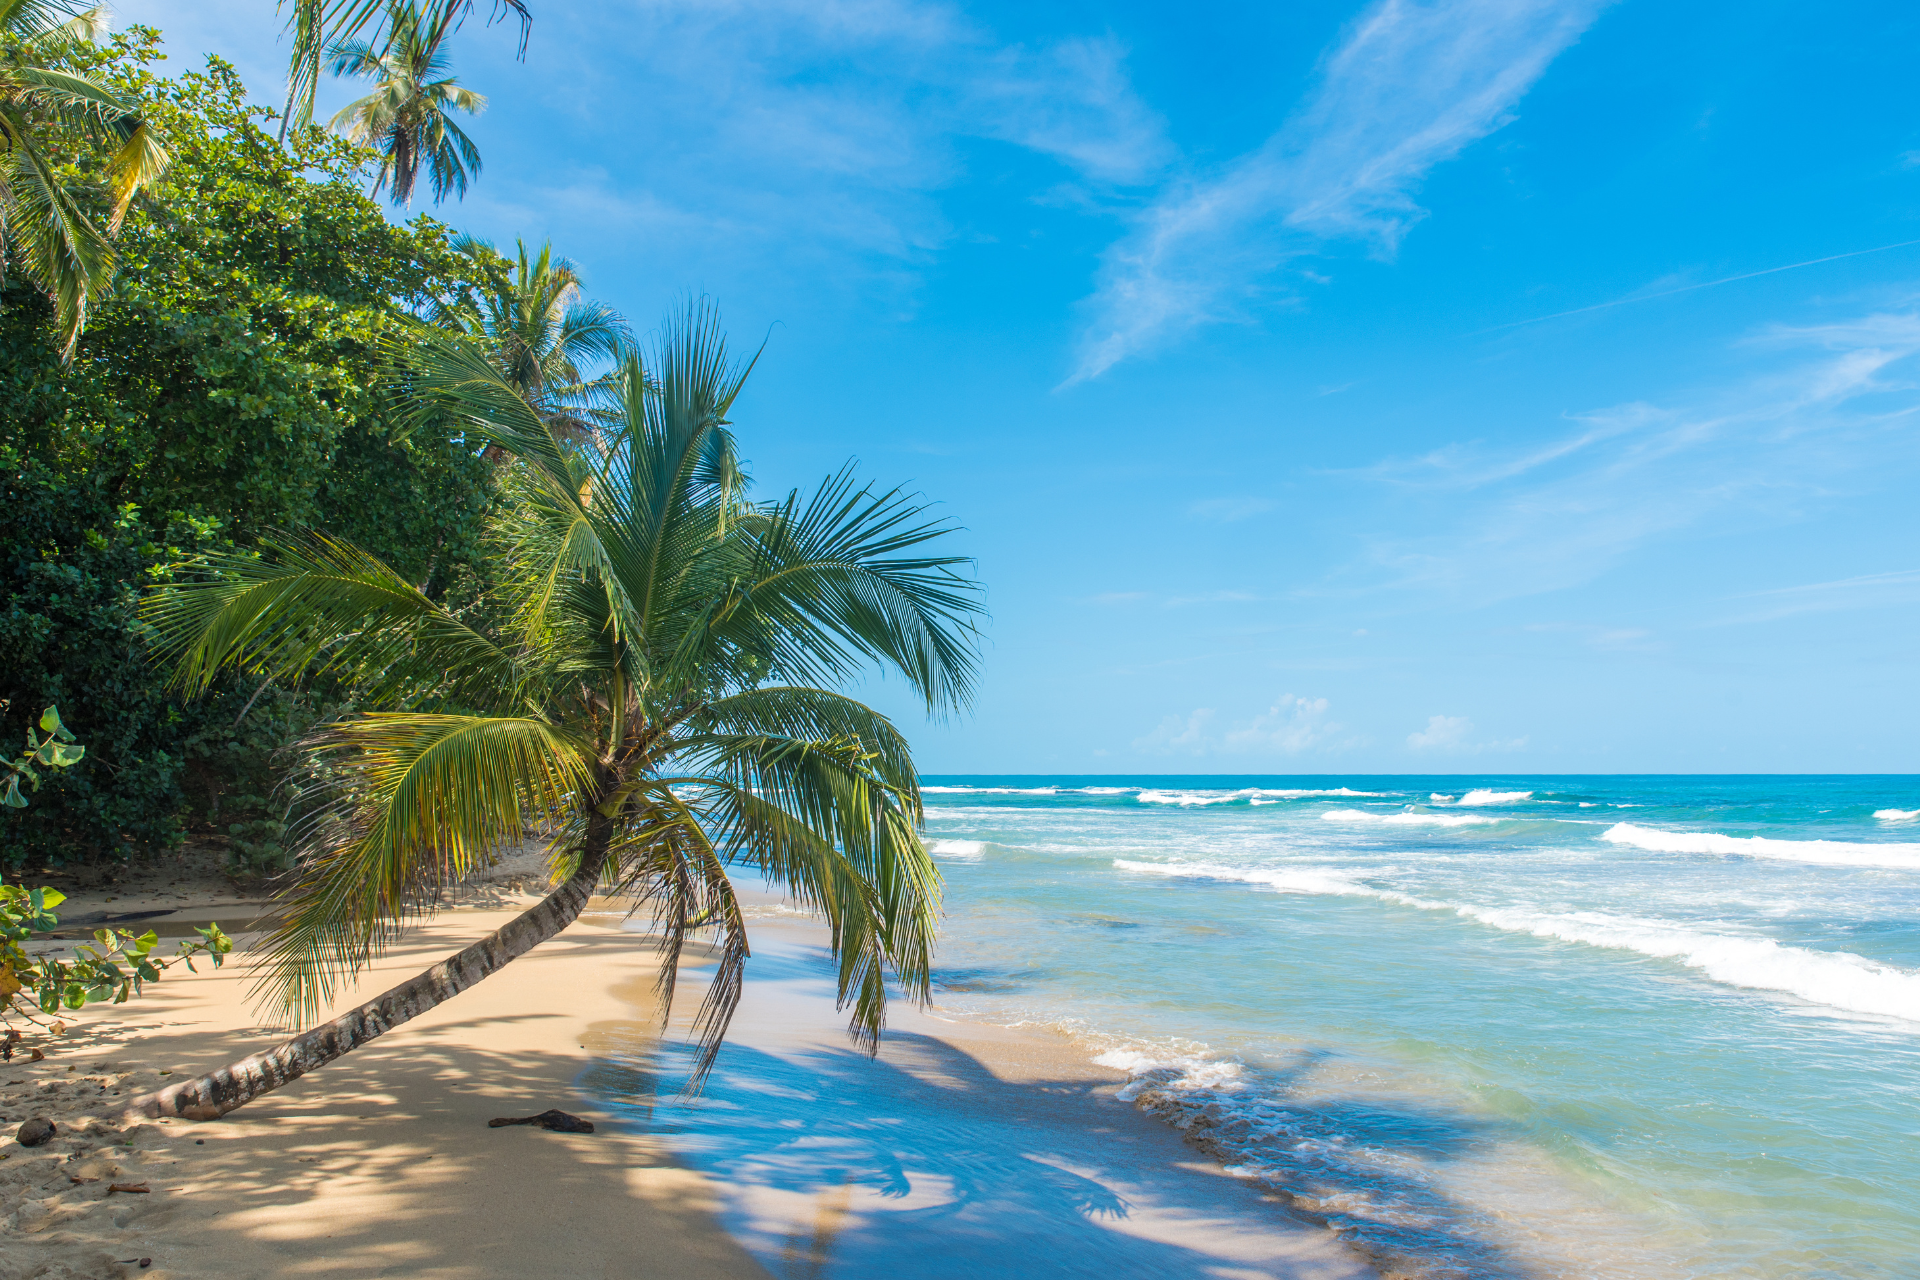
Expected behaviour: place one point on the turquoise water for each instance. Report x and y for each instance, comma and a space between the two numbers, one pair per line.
1502, 1026
1653, 1026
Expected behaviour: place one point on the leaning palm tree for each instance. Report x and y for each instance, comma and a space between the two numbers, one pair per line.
532, 316
406, 117
42, 223
651, 681
317, 25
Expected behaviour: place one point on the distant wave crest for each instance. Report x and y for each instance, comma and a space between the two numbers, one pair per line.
1410, 819
1484, 795
1839, 853
1897, 815
1836, 979
1250, 795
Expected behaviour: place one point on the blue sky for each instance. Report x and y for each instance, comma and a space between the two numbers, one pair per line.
1235, 337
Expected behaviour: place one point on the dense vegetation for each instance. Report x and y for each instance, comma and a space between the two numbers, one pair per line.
227, 386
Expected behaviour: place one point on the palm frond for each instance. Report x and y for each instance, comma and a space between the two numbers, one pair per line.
319, 605
402, 804
830, 591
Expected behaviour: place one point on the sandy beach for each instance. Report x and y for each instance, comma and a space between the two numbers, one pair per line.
382, 1164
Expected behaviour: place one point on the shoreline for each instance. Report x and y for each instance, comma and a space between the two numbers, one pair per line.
382, 1159
989, 1144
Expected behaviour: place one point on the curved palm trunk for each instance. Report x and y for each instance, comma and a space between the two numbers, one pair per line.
213, 1095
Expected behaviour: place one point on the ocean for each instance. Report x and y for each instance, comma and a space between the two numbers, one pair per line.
1637, 1027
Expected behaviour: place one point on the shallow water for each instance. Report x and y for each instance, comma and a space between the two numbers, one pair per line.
1647, 1028
1552, 1026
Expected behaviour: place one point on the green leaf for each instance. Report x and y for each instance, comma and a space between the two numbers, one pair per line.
145, 943
50, 720
60, 754
148, 972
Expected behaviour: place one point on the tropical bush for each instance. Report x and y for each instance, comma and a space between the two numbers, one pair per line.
226, 387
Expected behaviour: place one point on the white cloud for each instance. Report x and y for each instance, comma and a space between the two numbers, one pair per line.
1288, 727
1450, 734
1411, 85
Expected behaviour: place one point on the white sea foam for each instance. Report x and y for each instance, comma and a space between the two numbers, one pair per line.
1253, 795
1410, 819
1188, 798
1897, 815
1836, 979
1838, 853
1483, 795
1158, 1066
959, 850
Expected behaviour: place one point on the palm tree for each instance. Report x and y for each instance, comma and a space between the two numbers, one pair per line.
651, 677
317, 25
531, 314
406, 117
42, 223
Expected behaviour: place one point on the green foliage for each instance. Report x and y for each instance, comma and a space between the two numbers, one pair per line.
228, 386
115, 966
55, 749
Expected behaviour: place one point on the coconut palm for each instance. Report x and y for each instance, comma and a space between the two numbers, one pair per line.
532, 315
42, 223
653, 677
317, 25
406, 117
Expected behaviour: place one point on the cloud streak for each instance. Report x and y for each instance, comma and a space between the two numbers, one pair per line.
787, 139
1826, 399
1288, 727
1410, 86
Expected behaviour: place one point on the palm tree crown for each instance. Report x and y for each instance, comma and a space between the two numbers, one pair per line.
315, 26
406, 117
532, 315
652, 680
42, 224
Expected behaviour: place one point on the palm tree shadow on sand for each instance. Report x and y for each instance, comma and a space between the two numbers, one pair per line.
924, 1164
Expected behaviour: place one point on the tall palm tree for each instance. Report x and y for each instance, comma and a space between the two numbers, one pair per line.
42, 224
406, 117
532, 315
651, 677
317, 25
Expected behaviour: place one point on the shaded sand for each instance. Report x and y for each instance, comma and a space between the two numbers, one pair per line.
964, 1149
380, 1164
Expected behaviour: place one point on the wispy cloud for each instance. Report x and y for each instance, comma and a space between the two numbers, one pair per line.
1409, 87
776, 136
1604, 638
1453, 735
1288, 727
1867, 591
1825, 402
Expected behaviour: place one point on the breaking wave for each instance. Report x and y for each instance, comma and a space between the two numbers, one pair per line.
1838, 853
1836, 979
1410, 819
